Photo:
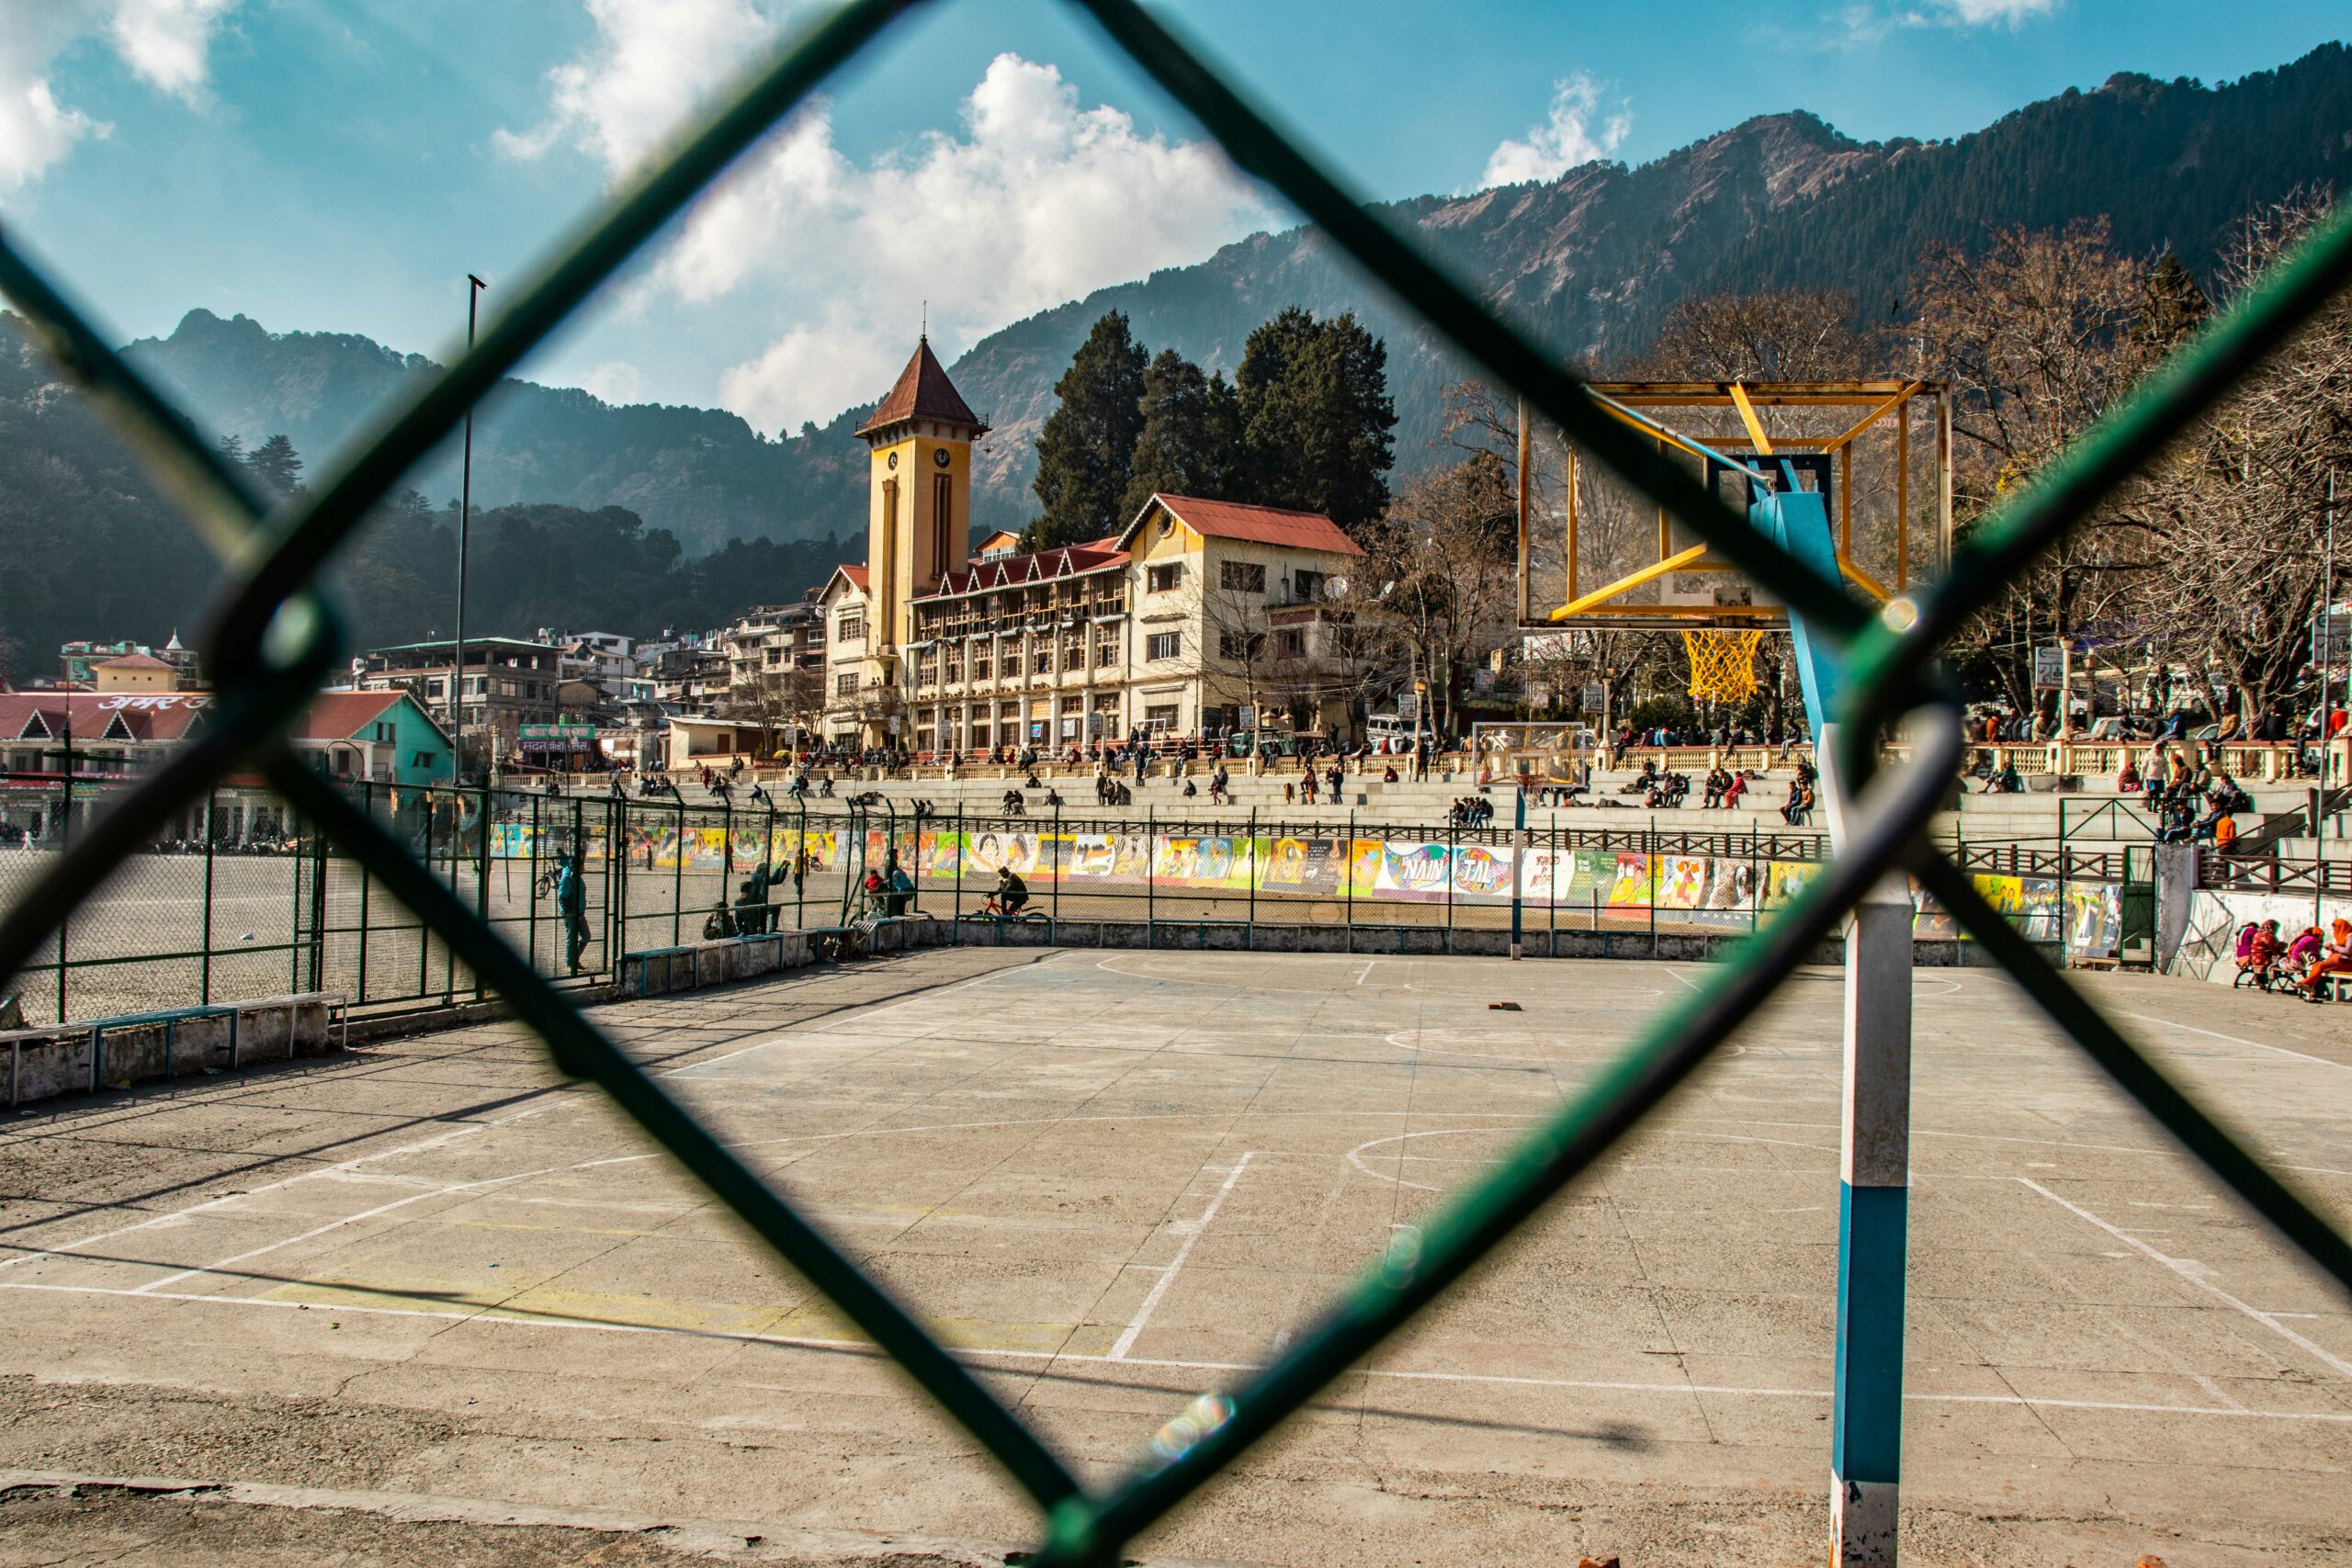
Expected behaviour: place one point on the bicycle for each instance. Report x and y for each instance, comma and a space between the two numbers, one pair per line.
992, 909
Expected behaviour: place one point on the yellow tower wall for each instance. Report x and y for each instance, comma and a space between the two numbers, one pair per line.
918, 528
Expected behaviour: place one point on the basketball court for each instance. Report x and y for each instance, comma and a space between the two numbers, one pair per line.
1116, 1181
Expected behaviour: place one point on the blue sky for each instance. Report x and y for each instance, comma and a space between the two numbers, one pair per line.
341, 164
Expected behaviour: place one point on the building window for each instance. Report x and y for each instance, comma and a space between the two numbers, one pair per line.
1163, 578
853, 626
845, 684
1163, 645
1106, 650
1160, 716
1242, 576
1308, 585
942, 510
1073, 704
981, 659
1241, 645
1290, 644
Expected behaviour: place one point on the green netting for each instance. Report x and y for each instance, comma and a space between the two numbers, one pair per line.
276, 641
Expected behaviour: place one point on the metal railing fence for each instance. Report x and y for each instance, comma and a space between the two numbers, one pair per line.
242, 897
277, 640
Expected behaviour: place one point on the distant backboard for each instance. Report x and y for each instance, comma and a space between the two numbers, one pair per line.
1597, 553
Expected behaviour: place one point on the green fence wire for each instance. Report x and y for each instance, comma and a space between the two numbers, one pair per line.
276, 640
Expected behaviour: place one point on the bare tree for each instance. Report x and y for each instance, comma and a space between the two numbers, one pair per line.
2035, 336
2240, 504
1446, 571
1787, 334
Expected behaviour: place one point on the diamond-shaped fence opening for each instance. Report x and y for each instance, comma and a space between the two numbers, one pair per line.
277, 640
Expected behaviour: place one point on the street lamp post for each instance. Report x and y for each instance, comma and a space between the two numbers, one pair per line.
2324, 650
474, 285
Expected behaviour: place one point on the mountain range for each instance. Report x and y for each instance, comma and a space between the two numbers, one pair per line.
1588, 264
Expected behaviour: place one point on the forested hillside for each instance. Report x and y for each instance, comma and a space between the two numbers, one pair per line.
94, 552
1590, 263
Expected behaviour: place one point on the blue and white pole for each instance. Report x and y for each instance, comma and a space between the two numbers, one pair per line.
1873, 1202
1873, 1198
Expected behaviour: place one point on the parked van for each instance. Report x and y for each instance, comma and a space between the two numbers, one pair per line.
1388, 732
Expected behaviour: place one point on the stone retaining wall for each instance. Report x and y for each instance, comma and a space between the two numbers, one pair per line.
77, 1058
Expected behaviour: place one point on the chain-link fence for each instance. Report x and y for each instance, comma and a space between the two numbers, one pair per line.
239, 896
277, 640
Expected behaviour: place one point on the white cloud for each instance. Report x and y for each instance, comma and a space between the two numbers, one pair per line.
1977, 13
1563, 141
1869, 21
164, 42
814, 371
1030, 200
615, 381
654, 61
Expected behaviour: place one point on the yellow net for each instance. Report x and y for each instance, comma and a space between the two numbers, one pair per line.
1722, 663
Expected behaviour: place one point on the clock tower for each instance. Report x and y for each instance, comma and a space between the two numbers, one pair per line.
918, 508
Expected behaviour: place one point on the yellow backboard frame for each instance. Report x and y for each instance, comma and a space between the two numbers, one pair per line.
1663, 410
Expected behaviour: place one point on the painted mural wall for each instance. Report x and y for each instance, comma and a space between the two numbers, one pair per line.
1695, 889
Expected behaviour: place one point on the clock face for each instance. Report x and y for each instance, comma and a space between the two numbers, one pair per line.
891, 461
939, 457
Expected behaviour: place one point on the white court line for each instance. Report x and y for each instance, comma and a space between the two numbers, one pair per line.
2195, 1274
153, 1285
1126, 1341
2216, 1034
1353, 1155
343, 1169
866, 1347
1678, 975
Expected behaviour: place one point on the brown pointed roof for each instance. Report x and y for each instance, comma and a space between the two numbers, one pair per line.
923, 391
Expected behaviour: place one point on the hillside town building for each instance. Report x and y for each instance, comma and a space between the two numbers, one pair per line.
1199, 616
510, 683
373, 736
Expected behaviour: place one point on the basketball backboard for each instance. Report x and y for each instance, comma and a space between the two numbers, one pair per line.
1598, 553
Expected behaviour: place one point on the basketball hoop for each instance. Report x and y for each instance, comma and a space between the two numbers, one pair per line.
1722, 663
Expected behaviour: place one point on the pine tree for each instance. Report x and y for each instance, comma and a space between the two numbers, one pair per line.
1191, 443
1086, 452
277, 467
1316, 417
2171, 307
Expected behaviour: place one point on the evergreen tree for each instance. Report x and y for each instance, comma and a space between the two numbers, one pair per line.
276, 467
2172, 308
1316, 417
1086, 452
1191, 443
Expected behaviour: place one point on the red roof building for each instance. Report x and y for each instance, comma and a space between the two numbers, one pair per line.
382, 736
1257, 525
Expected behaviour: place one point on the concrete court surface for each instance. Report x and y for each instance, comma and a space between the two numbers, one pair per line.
427, 1299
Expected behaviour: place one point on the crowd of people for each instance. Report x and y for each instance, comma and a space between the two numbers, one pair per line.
2268, 960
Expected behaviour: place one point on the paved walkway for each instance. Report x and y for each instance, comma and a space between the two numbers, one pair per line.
431, 1281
